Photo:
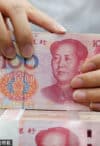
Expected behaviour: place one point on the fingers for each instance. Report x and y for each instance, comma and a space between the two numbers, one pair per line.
39, 18
95, 106
19, 12
88, 83
87, 95
87, 80
6, 46
22, 30
91, 64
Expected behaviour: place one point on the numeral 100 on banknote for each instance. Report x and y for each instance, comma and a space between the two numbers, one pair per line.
43, 81
18, 62
33, 61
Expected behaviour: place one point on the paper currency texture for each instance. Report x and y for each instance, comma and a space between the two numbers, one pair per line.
11, 82
56, 60
43, 81
50, 128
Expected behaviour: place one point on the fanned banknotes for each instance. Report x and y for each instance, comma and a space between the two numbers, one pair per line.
43, 81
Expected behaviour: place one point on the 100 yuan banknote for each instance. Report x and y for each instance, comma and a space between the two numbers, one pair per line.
56, 60
43, 81
49, 128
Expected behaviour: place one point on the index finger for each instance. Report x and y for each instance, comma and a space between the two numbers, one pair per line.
41, 19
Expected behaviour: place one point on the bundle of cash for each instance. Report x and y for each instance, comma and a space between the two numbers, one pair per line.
49, 128
43, 81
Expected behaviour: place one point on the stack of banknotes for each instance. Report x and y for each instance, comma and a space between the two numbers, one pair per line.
46, 128
43, 81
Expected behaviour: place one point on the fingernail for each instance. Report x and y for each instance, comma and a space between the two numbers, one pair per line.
90, 66
60, 28
95, 106
91, 105
27, 50
9, 52
77, 82
79, 95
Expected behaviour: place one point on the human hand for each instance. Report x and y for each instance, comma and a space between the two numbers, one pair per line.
20, 12
87, 84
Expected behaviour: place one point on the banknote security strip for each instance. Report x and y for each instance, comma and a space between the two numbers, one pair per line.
36, 83
49, 128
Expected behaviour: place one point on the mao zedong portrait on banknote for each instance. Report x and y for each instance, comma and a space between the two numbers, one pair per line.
56, 136
67, 56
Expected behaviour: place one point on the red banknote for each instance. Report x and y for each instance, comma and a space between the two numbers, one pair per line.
49, 128
43, 81
56, 60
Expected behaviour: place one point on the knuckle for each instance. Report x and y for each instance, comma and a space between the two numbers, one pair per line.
25, 37
5, 40
16, 7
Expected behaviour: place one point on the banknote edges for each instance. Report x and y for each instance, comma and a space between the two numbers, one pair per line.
42, 127
46, 76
